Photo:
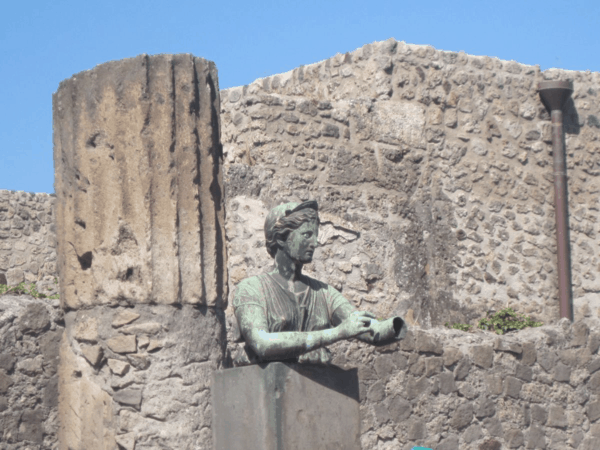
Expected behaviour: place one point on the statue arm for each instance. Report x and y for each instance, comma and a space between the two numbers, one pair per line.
287, 344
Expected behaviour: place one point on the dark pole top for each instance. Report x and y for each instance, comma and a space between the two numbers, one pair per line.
554, 94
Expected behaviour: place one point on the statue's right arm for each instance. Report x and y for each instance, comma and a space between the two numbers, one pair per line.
288, 344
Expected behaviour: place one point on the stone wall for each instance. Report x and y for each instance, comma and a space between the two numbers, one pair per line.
30, 334
450, 390
433, 171
28, 240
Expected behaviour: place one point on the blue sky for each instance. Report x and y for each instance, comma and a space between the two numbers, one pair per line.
44, 42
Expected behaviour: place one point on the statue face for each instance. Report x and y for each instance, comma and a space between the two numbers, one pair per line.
302, 242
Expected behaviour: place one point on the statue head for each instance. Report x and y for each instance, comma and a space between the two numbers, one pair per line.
284, 219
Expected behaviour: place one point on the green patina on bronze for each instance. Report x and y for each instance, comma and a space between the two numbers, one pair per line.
285, 315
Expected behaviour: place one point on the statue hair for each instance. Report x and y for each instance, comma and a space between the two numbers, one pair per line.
285, 225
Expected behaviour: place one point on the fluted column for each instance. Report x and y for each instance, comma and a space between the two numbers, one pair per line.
141, 256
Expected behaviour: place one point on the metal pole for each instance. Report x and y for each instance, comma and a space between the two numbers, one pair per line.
554, 95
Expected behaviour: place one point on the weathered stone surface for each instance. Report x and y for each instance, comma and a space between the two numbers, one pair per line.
512, 387
593, 411
149, 328
462, 416
118, 367
5, 382
562, 372
514, 438
35, 320
123, 317
505, 345
304, 407
535, 437
122, 344
529, 354
129, 397
485, 408
86, 329
483, 356
93, 354
169, 387
131, 160
556, 417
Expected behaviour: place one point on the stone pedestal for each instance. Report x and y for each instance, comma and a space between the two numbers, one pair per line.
141, 255
280, 406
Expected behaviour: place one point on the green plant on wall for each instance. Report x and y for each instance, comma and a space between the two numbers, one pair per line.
23, 288
507, 320
458, 326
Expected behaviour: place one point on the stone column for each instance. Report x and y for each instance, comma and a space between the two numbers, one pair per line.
141, 257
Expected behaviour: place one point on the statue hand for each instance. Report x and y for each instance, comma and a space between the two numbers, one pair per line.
357, 323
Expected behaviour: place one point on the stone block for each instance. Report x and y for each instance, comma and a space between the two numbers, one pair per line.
35, 320
417, 430
129, 397
86, 329
446, 383
399, 409
562, 372
462, 416
580, 332
557, 417
547, 360
523, 372
6, 381
539, 413
490, 444
294, 406
462, 369
593, 411
451, 356
494, 384
483, 356
506, 345
122, 344
118, 367
7, 361
92, 353
514, 438
592, 367
124, 317
529, 355
512, 387
425, 343
450, 442
14, 277
485, 408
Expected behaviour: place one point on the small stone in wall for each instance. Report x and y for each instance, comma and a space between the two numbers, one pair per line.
5, 382
86, 330
35, 320
155, 345
139, 361
93, 354
118, 367
124, 317
126, 441
31, 366
129, 397
148, 328
123, 344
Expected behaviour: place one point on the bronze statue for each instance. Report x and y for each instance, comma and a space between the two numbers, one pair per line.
285, 315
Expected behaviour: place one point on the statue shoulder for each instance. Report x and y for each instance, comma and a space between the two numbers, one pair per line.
251, 283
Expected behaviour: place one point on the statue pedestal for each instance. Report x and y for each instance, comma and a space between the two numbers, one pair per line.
280, 406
